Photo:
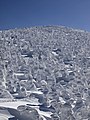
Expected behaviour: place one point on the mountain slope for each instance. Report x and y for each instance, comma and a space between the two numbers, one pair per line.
50, 64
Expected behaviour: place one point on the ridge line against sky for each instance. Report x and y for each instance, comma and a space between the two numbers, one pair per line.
27, 13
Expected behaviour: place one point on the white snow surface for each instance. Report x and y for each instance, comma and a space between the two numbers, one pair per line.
15, 104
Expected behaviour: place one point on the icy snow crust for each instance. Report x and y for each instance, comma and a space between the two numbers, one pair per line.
45, 74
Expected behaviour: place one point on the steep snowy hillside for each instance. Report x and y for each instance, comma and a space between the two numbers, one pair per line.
45, 73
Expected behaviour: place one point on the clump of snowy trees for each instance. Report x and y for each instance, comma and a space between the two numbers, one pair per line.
54, 60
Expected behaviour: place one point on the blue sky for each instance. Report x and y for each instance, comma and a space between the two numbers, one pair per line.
27, 13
